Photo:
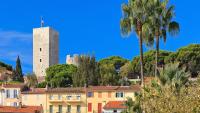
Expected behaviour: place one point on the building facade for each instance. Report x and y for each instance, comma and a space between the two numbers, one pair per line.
99, 96
94, 99
72, 59
45, 49
10, 94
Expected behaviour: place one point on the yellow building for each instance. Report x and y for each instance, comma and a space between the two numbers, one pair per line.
66, 100
57, 100
94, 99
99, 96
10, 94
35, 97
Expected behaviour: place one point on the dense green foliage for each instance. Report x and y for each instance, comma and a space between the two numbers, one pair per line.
109, 70
188, 57
60, 75
149, 62
115, 61
169, 93
87, 72
18, 74
41, 84
108, 75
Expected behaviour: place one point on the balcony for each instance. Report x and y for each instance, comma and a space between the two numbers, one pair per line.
69, 99
72, 99
56, 99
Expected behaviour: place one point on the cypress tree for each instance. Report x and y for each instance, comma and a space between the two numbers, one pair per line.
18, 70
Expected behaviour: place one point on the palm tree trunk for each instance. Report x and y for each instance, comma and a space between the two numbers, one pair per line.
157, 54
141, 57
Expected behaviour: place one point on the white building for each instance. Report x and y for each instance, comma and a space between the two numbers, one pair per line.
45, 50
72, 59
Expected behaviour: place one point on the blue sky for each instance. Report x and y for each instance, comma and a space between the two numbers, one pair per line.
85, 26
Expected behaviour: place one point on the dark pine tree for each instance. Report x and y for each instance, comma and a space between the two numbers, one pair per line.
18, 71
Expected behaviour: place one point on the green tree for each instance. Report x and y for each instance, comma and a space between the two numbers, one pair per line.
161, 22
149, 61
60, 75
116, 61
173, 76
135, 15
125, 70
188, 57
87, 72
108, 75
18, 71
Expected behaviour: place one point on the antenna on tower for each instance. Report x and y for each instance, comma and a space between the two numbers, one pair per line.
42, 22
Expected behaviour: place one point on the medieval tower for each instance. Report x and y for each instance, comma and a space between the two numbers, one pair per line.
45, 50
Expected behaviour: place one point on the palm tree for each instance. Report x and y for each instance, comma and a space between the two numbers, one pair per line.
134, 18
173, 77
160, 19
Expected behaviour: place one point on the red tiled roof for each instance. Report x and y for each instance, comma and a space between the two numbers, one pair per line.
13, 85
35, 91
115, 88
23, 109
115, 105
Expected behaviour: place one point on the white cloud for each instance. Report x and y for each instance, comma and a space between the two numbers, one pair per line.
15, 43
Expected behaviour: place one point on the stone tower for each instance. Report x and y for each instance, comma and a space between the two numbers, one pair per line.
45, 50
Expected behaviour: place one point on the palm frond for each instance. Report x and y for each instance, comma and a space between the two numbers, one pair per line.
174, 28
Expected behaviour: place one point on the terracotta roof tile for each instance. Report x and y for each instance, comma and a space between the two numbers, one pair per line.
20, 85
115, 105
115, 88
35, 91
23, 109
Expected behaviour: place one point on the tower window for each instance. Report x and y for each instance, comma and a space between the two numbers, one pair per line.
40, 60
40, 49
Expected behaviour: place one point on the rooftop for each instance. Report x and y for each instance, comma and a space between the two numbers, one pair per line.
115, 105
17, 85
115, 88
23, 109
35, 91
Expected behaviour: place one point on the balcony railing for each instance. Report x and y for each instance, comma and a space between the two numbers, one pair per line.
64, 99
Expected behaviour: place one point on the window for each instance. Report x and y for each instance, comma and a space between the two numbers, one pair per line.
15, 93
99, 94
109, 94
15, 104
69, 97
40, 49
51, 97
78, 108
90, 94
60, 108
78, 97
51, 109
115, 111
7, 93
69, 108
89, 107
59, 97
40, 60
119, 95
